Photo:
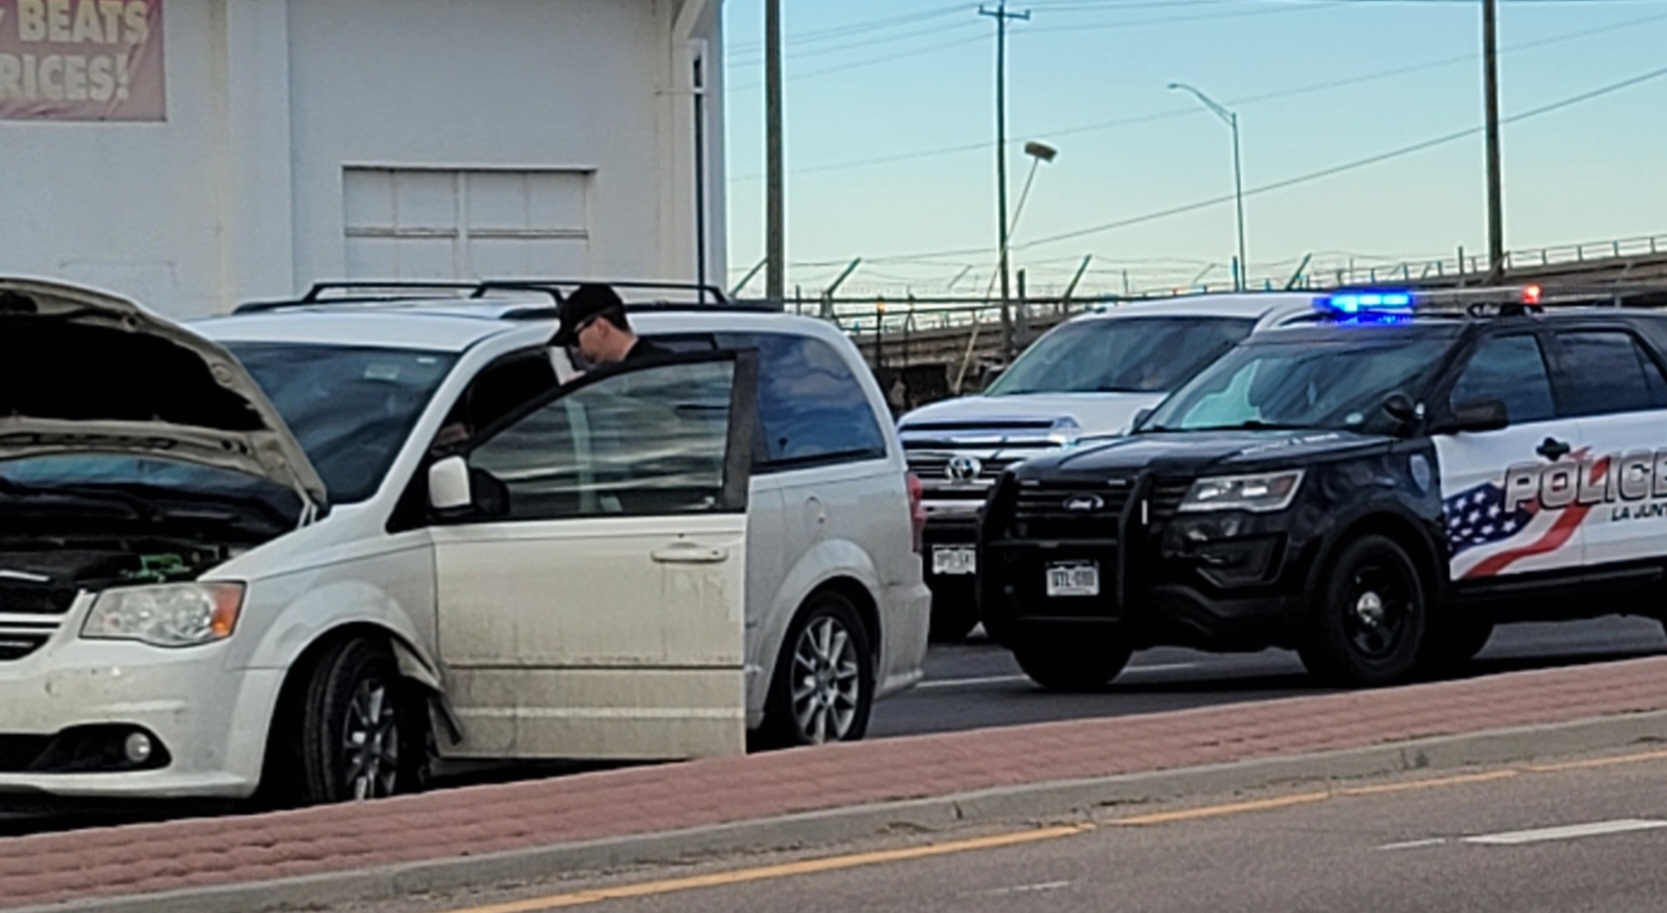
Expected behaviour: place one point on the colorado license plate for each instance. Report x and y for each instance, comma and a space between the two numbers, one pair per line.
954, 560
1076, 579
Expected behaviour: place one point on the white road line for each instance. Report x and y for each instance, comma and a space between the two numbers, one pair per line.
1414, 844
1010, 679
1160, 667
1567, 832
1021, 889
971, 682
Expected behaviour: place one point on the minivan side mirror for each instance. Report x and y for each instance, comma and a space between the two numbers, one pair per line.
448, 485
1478, 415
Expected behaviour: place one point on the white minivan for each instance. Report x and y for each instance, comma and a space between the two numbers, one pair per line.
316, 546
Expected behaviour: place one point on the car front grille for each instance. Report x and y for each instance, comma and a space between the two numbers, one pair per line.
16, 645
1167, 495
935, 473
1063, 510
18, 598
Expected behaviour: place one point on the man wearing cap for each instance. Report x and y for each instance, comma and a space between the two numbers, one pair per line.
593, 321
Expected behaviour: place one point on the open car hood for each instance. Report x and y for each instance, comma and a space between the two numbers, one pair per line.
83, 371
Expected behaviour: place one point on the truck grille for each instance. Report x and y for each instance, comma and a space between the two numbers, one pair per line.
1061, 510
1167, 495
935, 473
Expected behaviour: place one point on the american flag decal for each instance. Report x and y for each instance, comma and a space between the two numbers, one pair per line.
1477, 517
1484, 538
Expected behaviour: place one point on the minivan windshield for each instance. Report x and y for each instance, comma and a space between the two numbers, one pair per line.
1332, 385
1121, 355
351, 409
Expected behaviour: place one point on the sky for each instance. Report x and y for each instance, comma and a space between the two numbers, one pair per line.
1315, 83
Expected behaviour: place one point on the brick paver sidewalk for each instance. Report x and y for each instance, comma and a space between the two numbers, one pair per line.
157, 857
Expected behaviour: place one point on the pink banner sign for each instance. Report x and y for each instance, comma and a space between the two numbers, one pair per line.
81, 60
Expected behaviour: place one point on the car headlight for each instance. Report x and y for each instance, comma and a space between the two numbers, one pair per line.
1065, 432
173, 615
1261, 493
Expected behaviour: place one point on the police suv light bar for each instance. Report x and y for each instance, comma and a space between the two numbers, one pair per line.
1405, 302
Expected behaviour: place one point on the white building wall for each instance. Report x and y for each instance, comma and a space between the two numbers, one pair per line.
240, 194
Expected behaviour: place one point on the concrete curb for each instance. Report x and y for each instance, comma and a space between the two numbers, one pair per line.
1026, 803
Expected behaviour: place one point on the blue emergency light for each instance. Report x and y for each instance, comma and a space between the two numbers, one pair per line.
1353, 303
1367, 307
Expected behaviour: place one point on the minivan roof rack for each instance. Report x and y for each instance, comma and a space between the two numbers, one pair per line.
558, 286
442, 291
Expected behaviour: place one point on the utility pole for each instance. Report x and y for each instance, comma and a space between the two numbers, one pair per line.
1002, 17
775, 229
1496, 181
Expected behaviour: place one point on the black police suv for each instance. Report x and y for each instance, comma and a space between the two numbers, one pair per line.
1376, 490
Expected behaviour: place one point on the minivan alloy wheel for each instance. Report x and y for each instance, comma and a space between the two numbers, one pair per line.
827, 681
371, 742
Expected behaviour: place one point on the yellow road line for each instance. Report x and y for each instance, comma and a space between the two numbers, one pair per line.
1597, 762
1433, 783
785, 870
1217, 811
1017, 838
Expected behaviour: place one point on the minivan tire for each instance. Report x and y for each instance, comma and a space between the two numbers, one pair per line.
361, 732
823, 686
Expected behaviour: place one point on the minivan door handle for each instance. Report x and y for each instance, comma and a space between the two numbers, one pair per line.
690, 553
1553, 449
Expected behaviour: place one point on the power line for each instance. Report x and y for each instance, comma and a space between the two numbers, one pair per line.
889, 58
1354, 165
862, 26
751, 60
1174, 113
1307, 178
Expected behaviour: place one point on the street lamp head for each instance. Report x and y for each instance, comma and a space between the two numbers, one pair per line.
1041, 151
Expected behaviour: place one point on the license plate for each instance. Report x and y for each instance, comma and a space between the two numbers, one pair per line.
954, 560
1077, 579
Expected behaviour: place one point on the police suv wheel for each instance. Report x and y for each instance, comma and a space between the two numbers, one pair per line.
1368, 617
1451, 642
823, 688
1070, 661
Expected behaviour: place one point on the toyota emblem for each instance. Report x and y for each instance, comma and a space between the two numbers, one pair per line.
964, 469
1084, 504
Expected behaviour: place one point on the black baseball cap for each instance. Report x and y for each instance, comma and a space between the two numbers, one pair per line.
586, 302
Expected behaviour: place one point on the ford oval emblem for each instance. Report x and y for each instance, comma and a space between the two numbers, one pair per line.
1084, 504
964, 469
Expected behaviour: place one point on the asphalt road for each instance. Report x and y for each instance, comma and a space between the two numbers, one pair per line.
977, 684
1568, 837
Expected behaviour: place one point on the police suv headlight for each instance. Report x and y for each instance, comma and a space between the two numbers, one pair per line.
174, 615
1262, 493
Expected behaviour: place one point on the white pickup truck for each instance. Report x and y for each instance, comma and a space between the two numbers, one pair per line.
1087, 378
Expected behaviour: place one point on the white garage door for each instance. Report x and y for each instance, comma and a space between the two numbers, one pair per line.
409, 223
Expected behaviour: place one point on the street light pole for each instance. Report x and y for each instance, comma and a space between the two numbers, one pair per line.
1039, 153
1002, 16
1232, 121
